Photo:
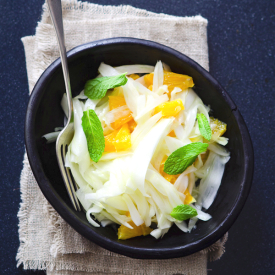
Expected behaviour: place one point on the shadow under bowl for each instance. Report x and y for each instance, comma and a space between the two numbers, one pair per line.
44, 114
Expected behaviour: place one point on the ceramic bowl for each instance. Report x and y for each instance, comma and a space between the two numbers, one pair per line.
44, 114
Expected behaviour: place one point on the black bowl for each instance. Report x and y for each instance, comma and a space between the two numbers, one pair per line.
44, 114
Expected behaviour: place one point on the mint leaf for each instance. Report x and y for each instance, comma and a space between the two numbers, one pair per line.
97, 87
183, 157
204, 126
183, 212
94, 134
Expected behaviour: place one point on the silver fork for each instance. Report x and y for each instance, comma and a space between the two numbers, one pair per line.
66, 135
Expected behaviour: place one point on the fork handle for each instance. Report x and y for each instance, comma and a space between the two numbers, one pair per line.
56, 16
55, 9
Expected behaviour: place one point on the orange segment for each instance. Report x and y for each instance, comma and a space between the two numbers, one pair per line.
170, 178
118, 140
171, 108
118, 91
109, 142
220, 127
134, 76
132, 125
123, 139
148, 79
116, 101
172, 80
121, 121
125, 233
188, 197
172, 134
123, 116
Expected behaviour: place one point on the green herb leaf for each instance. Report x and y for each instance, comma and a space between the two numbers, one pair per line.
94, 134
183, 212
97, 87
204, 126
183, 157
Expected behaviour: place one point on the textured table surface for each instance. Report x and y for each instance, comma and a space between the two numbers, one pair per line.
241, 37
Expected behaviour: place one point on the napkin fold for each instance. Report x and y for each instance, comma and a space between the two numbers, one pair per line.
47, 242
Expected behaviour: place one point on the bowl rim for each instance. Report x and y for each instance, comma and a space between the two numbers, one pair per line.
68, 214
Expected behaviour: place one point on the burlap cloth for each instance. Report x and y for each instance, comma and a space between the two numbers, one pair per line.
47, 242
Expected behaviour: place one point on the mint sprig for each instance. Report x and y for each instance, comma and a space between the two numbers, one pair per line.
183, 157
94, 134
97, 87
204, 126
183, 212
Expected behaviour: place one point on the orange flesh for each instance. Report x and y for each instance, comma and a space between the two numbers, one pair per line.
172, 134
220, 127
109, 142
134, 76
172, 80
188, 197
171, 108
116, 102
125, 233
118, 140
132, 125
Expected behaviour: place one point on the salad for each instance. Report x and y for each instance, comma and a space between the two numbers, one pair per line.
145, 152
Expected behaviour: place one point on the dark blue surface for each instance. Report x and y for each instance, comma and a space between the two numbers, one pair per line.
241, 37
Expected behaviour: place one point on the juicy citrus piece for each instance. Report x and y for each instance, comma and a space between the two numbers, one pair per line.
171, 108
116, 101
146, 230
125, 233
123, 139
118, 140
218, 127
172, 80
171, 178
134, 76
172, 134
125, 116
121, 121
118, 91
148, 79
109, 142
132, 125
188, 197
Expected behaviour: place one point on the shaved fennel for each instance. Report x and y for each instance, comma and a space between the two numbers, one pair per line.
128, 186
